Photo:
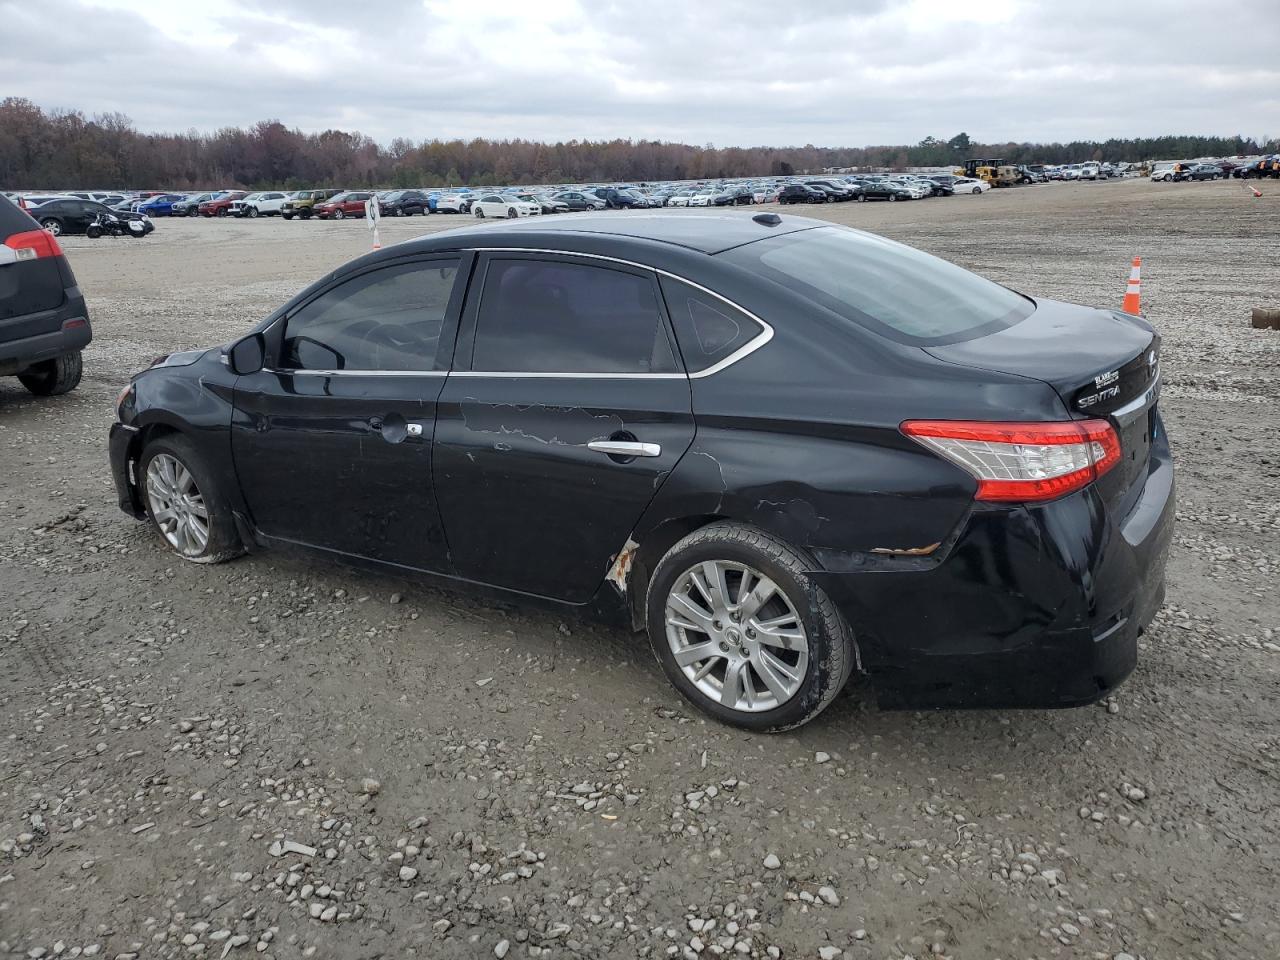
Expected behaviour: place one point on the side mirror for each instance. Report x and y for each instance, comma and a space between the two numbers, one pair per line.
247, 356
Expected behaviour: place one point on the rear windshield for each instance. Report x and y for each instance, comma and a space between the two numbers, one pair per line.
895, 290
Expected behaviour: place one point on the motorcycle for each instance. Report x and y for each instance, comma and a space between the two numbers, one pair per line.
105, 224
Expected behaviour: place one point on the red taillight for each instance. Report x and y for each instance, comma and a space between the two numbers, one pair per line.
1021, 462
34, 244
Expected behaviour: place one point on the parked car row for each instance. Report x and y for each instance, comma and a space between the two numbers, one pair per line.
1175, 171
332, 203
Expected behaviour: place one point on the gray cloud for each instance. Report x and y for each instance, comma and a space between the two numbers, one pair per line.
829, 72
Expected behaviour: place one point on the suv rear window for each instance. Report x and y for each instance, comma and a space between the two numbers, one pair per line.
898, 292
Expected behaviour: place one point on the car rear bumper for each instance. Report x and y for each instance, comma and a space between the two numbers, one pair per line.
19, 353
1028, 606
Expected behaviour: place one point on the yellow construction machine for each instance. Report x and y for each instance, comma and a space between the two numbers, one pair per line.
995, 172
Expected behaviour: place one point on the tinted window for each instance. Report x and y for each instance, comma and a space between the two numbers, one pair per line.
386, 319
557, 317
897, 291
14, 220
707, 328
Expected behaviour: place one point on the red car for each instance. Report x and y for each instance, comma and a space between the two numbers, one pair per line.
221, 205
342, 206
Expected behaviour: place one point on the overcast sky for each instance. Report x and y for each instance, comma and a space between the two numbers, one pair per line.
827, 72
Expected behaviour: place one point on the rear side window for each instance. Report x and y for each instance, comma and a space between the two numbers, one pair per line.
388, 319
14, 220
707, 329
547, 316
899, 292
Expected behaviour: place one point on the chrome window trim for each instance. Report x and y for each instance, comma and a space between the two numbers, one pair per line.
543, 375
751, 346
358, 373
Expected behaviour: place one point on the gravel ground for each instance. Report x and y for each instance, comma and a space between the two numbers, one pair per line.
281, 758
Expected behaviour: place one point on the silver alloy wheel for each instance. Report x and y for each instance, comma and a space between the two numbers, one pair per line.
736, 636
177, 505
53, 226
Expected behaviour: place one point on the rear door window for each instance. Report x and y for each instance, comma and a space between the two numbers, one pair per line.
558, 316
387, 320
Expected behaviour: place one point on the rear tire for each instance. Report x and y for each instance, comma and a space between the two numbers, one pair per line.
52, 225
53, 377
211, 541
819, 649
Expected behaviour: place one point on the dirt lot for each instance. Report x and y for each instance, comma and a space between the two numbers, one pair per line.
540, 790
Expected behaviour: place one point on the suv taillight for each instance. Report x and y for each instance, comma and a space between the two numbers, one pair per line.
34, 244
1022, 462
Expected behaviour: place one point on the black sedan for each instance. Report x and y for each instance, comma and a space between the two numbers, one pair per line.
884, 190
968, 494
733, 197
837, 191
799, 193
74, 216
577, 200
403, 203
1202, 171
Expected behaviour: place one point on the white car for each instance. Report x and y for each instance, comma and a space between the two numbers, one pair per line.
970, 185
680, 198
452, 202
259, 204
496, 205
919, 189
1163, 172
702, 197
35, 199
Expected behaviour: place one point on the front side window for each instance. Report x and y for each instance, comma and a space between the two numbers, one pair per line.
899, 292
387, 319
544, 316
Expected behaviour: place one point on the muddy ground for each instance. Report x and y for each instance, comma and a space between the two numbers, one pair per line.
455, 779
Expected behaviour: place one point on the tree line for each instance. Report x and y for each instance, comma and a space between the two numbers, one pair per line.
64, 149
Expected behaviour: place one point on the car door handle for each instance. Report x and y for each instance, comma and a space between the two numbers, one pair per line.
625, 448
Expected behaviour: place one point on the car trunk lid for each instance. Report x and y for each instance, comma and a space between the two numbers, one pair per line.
1101, 363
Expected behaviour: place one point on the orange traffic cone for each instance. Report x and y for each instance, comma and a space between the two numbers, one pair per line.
1133, 293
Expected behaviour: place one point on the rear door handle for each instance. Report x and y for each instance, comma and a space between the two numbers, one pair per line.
625, 448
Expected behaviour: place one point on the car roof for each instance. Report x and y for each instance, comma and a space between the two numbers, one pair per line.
704, 232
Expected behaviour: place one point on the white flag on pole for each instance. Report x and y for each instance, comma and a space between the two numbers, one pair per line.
373, 213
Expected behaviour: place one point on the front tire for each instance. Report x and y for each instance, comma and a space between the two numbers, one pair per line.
339, 215
253, 213
511, 213
184, 503
743, 633
54, 377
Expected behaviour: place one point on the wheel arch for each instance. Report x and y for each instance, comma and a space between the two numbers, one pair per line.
634, 566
